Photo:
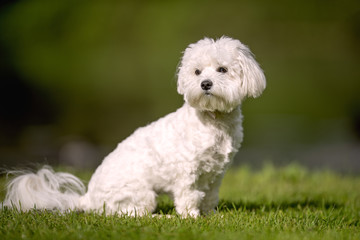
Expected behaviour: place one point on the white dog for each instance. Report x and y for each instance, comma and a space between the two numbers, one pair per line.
184, 154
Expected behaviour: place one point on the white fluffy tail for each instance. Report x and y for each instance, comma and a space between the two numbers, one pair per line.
44, 190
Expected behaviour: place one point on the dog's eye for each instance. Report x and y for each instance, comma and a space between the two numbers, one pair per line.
197, 72
222, 69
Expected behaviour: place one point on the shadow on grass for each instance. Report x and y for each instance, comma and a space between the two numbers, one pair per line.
224, 205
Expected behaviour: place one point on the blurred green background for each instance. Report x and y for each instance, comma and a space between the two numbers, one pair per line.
77, 77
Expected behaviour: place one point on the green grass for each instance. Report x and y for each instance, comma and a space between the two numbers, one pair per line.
272, 203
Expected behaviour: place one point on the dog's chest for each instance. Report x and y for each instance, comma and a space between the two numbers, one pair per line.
216, 151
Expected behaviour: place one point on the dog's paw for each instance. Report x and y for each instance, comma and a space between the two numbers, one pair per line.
190, 213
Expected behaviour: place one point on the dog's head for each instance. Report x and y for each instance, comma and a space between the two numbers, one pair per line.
216, 75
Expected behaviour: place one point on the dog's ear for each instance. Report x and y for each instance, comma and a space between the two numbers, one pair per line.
180, 87
252, 77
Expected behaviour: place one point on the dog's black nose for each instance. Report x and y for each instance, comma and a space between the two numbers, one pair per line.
206, 84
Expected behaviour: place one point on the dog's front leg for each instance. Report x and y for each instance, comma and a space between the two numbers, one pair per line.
187, 202
211, 198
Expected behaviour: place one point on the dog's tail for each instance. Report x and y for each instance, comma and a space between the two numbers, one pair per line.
44, 190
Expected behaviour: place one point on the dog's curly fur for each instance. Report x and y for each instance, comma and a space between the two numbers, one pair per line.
184, 154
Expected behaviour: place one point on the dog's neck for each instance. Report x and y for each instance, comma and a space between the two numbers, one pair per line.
217, 115
212, 114
226, 120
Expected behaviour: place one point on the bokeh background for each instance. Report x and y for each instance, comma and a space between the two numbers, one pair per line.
77, 77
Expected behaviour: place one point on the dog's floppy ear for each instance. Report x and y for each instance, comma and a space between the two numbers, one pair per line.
252, 77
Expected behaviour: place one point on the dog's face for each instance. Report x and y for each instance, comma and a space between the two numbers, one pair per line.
218, 75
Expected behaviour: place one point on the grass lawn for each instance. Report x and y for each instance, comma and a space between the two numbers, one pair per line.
271, 203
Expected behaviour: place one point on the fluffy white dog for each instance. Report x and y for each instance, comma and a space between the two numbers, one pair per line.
184, 154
